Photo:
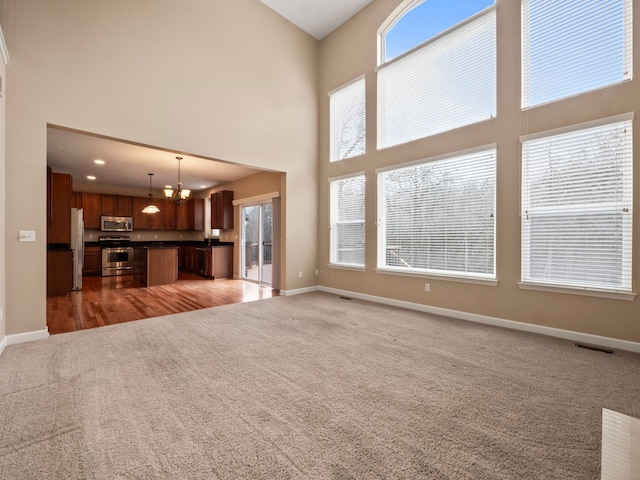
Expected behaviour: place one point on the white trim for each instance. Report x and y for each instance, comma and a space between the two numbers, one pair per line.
341, 266
433, 39
588, 292
444, 156
23, 338
361, 173
600, 122
492, 282
5, 52
256, 199
609, 342
344, 85
297, 291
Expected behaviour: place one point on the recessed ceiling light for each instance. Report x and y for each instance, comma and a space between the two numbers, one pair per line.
203, 186
99, 162
91, 177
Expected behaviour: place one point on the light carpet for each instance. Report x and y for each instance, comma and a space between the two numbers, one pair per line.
312, 386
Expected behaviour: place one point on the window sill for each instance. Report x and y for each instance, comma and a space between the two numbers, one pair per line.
448, 278
577, 291
338, 266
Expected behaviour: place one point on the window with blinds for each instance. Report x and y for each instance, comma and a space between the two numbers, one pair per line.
576, 207
438, 217
448, 82
571, 47
347, 222
347, 121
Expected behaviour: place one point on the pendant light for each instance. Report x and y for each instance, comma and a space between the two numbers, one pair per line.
179, 195
150, 208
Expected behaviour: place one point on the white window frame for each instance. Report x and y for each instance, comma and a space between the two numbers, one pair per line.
529, 280
335, 221
347, 111
567, 16
408, 270
417, 73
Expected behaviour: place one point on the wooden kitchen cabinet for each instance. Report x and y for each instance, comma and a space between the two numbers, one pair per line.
116, 205
222, 210
146, 221
91, 210
59, 272
168, 209
193, 259
195, 214
182, 217
92, 261
58, 208
220, 263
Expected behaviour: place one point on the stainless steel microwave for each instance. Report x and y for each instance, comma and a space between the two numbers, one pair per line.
116, 224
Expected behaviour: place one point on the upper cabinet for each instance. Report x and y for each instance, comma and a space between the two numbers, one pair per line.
58, 207
91, 210
222, 210
195, 214
116, 205
188, 216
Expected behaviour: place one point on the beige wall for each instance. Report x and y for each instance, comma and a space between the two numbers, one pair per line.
350, 51
216, 78
3, 78
248, 187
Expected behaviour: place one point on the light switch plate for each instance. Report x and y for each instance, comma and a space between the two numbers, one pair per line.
27, 236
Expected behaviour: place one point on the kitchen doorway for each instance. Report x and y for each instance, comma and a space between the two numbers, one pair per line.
257, 243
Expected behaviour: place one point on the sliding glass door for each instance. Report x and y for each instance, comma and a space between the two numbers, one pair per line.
257, 243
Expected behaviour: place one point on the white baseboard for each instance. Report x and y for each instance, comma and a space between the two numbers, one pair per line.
22, 338
299, 291
587, 338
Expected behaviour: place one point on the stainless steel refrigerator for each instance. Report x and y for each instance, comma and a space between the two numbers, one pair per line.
77, 246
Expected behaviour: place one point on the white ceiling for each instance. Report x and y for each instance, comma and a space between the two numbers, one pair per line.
127, 165
317, 17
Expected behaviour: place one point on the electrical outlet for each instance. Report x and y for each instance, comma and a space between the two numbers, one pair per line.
299, 274
1, 313
316, 273
427, 287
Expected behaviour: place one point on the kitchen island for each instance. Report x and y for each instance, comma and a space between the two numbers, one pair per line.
155, 265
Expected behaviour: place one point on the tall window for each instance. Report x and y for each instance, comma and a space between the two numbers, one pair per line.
438, 217
570, 47
347, 121
447, 82
347, 221
576, 207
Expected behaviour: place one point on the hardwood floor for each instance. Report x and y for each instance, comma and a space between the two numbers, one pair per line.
110, 300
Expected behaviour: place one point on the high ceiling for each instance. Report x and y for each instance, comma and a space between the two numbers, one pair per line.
127, 165
317, 17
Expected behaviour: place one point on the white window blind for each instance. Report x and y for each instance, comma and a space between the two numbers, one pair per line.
347, 221
447, 83
570, 47
438, 217
347, 121
576, 208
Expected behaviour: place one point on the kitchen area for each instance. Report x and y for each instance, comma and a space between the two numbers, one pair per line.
104, 235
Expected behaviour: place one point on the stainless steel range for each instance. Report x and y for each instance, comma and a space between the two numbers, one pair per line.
117, 255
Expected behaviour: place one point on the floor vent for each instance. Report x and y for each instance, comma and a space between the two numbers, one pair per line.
594, 347
344, 298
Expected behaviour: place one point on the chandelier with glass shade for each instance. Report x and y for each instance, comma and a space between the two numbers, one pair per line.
179, 195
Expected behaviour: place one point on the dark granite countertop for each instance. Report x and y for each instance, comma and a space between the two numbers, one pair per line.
169, 244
